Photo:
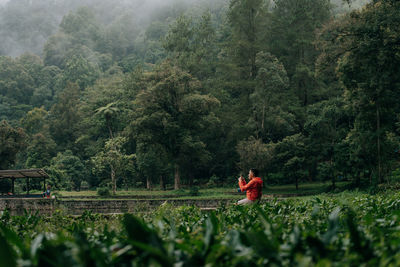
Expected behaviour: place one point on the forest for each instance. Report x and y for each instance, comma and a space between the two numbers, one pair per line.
171, 94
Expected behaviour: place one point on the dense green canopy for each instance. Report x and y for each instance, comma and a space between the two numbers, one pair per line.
120, 94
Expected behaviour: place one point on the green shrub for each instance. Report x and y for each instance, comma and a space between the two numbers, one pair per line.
103, 191
275, 178
213, 182
180, 191
395, 176
84, 185
194, 191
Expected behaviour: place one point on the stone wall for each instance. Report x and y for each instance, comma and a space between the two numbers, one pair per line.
77, 207
18, 206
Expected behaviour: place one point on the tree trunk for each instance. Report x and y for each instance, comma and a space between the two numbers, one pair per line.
358, 181
191, 178
305, 94
162, 184
378, 129
312, 170
333, 171
177, 178
113, 180
109, 129
370, 177
252, 40
263, 119
297, 182
148, 183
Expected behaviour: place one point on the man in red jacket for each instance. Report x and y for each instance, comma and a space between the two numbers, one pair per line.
253, 188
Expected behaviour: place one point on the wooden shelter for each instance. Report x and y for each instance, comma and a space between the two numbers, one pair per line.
27, 174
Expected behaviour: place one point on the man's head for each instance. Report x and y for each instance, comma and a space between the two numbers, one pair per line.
253, 173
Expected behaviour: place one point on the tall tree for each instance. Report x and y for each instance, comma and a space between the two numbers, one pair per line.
370, 71
80, 71
192, 45
248, 20
68, 169
34, 120
12, 141
106, 108
64, 116
152, 162
171, 112
290, 155
271, 100
40, 151
291, 39
112, 157
15, 81
109, 112
82, 26
254, 154
326, 128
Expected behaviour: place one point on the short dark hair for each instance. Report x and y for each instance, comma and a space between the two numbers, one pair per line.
254, 171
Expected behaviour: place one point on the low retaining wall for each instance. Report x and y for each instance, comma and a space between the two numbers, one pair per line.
18, 206
141, 196
77, 207
227, 195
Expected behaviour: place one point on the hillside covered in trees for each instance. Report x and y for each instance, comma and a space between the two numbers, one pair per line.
143, 93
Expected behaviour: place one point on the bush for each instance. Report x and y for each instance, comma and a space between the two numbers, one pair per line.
84, 185
275, 178
214, 180
103, 191
394, 177
180, 191
194, 191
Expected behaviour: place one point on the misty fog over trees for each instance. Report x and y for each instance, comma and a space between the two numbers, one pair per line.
168, 93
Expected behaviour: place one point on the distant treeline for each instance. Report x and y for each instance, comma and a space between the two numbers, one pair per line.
194, 92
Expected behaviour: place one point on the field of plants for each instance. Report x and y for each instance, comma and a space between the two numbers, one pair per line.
347, 229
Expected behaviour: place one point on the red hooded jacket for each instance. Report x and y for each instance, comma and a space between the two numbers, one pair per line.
253, 188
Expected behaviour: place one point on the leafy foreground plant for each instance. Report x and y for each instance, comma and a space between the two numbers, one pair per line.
316, 232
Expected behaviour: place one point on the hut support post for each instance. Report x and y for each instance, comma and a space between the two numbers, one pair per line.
12, 185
